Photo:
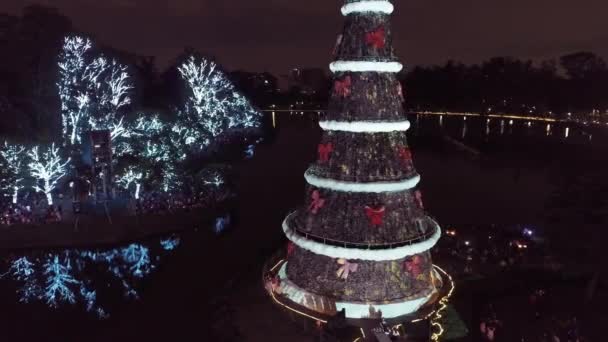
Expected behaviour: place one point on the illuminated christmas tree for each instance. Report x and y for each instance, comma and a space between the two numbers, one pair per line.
361, 242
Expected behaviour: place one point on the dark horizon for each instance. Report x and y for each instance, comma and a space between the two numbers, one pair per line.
278, 35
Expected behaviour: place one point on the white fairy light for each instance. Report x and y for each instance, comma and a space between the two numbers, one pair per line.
48, 168
14, 157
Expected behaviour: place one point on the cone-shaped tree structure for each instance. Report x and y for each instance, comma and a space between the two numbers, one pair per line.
361, 242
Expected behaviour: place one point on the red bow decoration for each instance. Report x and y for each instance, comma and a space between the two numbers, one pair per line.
346, 268
375, 216
376, 38
413, 265
405, 153
291, 247
317, 202
342, 87
324, 151
418, 195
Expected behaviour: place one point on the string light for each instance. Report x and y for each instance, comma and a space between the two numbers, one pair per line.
443, 304
296, 311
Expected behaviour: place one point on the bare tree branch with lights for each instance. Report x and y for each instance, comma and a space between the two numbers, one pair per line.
14, 159
47, 167
93, 91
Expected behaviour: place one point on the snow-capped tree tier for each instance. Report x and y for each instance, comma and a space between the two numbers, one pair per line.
327, 306
387, 218
366, 36
367, 96
362, 281
361, 251
365, 126
365, 6
364, 158
365, 66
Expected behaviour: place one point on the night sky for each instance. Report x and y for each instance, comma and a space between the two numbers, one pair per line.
276, 35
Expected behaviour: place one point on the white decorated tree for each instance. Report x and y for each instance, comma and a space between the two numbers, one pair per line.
92, 89
146, 149
212, 106
13, 162
47, 167
132, 175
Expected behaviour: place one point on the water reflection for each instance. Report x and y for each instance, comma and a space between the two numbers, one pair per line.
488, 127
567, 133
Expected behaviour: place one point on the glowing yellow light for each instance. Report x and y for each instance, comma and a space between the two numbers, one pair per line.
296, 311
443, 304
277, 265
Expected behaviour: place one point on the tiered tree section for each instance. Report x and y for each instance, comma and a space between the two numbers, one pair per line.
362, 240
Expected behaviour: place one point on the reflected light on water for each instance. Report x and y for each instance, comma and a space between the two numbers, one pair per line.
548, 129
274, 119
567, 134
502, 127
441, 120
488, 127
464, 129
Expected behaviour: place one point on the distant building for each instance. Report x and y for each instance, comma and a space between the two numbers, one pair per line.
258, 87
308, 82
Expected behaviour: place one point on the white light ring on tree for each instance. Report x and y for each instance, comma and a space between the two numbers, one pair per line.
368, 6
337, 252
365, 66
299, 296
371, 187
365, 126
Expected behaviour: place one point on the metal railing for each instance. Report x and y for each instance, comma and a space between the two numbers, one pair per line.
369, 246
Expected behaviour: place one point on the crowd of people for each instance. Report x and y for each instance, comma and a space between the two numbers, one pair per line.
160, 202
33, 209
470, 253
488, 251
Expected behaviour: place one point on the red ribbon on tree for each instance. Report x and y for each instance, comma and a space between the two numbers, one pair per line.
376, 38
418, 196
317, 202
375, 216
405, 154
413, 265
342, 87
324, 151
291, 247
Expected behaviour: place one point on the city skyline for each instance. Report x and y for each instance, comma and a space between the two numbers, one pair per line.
279, 35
